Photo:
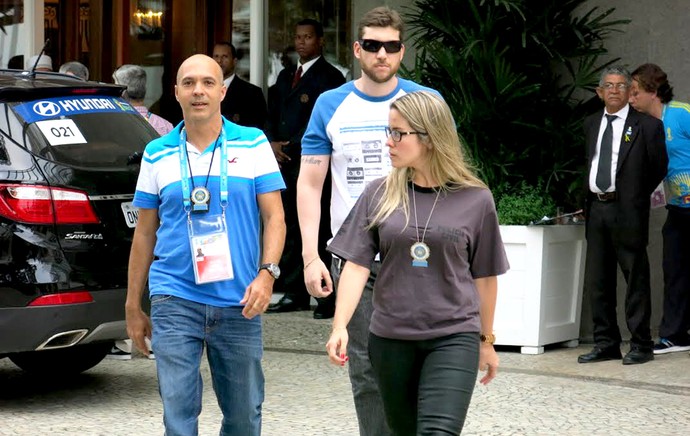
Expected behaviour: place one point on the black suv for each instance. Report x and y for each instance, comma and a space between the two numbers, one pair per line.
69, 160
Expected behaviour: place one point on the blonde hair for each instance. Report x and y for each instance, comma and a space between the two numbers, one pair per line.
428, 113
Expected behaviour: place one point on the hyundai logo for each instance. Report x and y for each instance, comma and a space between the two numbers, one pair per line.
46, 108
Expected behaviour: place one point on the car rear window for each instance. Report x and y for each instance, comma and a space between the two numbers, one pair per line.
93, 131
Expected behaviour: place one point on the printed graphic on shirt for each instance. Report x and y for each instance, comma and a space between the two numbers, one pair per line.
367, 159
676, 118
678, 186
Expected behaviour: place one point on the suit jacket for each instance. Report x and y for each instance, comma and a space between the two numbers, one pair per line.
289, 109
244, 104
642, 164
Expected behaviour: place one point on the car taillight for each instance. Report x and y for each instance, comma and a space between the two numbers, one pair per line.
31, 204
64, 298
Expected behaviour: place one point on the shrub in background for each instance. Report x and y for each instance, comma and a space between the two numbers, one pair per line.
523, 205
519, 76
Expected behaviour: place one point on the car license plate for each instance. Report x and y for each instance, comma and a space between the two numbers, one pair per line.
131, 214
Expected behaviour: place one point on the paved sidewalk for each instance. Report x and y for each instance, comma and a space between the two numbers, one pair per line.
547, 394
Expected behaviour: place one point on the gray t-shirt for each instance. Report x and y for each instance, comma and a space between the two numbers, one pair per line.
417, 303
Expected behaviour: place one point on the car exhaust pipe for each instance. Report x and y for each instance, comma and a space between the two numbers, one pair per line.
63, 339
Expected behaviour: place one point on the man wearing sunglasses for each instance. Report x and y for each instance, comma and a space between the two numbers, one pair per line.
347, 134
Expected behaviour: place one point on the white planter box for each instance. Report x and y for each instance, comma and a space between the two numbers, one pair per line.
540, 298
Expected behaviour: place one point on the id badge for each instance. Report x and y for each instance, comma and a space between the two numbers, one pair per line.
208, 239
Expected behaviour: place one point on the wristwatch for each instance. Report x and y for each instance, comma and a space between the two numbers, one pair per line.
489, 338
272, 269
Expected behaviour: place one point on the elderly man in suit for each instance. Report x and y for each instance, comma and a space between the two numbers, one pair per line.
626, 156
244, 102
291, 101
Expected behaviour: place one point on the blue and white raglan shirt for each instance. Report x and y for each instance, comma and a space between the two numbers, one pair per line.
252, 170
676, 118
350, 126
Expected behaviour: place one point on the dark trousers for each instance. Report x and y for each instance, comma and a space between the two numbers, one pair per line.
605, 250
426, 385
365, 390
676, 318
291, 280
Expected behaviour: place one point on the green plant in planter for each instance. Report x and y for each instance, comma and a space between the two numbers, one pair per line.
523, 205
519, 77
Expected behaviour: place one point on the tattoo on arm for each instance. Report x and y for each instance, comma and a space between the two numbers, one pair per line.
311, 160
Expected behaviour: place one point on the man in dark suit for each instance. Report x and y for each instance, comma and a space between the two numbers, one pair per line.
626, 156
244, 103
291, 101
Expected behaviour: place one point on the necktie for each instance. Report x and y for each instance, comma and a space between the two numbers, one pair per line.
298, 75
603, 179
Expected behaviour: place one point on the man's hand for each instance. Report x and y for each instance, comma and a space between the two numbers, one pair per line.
138, 328
315, 274
277, 147
258, 295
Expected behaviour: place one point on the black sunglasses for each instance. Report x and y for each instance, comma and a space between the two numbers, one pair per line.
373, 46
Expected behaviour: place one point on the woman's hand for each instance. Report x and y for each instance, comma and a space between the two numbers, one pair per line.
337, 346
488, 362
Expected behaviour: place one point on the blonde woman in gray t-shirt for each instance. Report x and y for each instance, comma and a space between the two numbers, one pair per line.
434, 225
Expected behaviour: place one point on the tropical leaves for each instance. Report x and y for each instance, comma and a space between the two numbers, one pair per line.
519, 76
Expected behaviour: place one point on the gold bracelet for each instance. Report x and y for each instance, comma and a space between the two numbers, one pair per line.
310, 262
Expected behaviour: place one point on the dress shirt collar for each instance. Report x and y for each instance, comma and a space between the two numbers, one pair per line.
227, 81
622, 114
307, 65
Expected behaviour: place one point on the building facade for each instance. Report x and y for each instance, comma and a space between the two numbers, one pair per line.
159, 34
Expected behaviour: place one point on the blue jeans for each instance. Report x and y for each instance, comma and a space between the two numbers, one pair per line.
365, 391
181, 330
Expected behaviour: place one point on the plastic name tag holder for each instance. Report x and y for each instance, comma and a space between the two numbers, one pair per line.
208, 239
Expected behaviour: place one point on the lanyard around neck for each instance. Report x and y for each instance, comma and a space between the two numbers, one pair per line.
185, 175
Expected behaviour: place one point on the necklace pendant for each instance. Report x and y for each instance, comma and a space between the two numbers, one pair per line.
200, 199
420, 253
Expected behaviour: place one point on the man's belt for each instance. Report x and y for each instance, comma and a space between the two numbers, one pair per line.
606, 196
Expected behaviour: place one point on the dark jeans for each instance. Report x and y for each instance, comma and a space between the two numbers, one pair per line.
426, 385
365, 391
291, 280
676, 318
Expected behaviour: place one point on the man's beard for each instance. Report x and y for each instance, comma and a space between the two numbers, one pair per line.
371, 74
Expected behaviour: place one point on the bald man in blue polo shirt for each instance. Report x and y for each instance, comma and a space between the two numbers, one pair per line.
209, 185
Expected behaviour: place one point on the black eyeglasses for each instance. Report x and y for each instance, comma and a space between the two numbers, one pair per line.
397, 135
373, 46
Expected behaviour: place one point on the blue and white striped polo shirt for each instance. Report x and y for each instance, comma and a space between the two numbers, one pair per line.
252, 170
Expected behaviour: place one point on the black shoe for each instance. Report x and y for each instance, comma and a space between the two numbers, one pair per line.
636, 356
599, 355
324, 311
287, 304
